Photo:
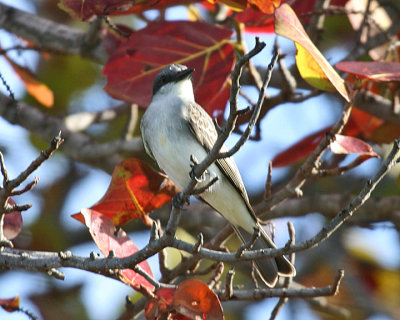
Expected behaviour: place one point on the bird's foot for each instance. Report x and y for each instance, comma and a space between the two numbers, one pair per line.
193, 163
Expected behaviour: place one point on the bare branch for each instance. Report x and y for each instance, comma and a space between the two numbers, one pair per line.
49, 35
268, 183
254, 117
77, 146
293, 188
259, 294
40, 261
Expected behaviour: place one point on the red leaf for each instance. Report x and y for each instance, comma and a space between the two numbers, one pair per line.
12, 222
134, 191
112, 38
192, 299
300, 149
162, 303
196, 300
207, 48
107, 239
361, 122
10, 305
312, 65
373, 70
256, 21
350, 145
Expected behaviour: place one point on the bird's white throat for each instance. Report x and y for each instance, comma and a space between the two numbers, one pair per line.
182, 89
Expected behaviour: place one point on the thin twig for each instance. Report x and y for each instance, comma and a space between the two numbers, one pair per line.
228, 292
11, 258
268, 183
254, 117
259, 294
145, 275
10, 92
219, 269
288, 280
250, 243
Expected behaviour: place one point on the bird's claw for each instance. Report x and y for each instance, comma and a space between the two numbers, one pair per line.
193, 163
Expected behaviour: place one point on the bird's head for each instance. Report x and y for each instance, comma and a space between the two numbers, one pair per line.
174, 79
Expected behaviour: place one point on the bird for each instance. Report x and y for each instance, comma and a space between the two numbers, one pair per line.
176, 131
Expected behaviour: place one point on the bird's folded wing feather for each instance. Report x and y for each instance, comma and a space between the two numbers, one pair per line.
202, 126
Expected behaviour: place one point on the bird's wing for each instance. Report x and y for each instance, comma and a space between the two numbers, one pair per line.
202, 126
146, 146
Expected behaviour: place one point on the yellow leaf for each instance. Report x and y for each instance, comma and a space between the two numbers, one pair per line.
312, 63
310, 71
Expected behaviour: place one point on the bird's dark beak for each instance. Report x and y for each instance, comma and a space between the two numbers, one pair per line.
185, 74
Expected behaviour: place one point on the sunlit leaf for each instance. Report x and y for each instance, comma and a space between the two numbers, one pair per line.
266, 6
162, 303
193, 298
11, 304
311, 71
310, 59
207, 48
259, 22
362, 123
373, 70
34, 86
108, 238
135, 190
350, 145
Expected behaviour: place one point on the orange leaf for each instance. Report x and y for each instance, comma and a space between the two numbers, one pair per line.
162, 303
192, 299
266, 6
312, 65
196, 300
107, 239
361, 122
10, 305
135, 190
35, 88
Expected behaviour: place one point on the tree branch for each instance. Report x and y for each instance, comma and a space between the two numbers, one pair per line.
77, 146
49, 35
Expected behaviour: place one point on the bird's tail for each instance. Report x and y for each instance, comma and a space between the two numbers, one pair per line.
268, 268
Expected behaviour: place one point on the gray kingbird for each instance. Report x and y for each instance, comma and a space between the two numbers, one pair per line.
175, 130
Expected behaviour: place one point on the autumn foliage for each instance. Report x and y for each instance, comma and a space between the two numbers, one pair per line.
212, 46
